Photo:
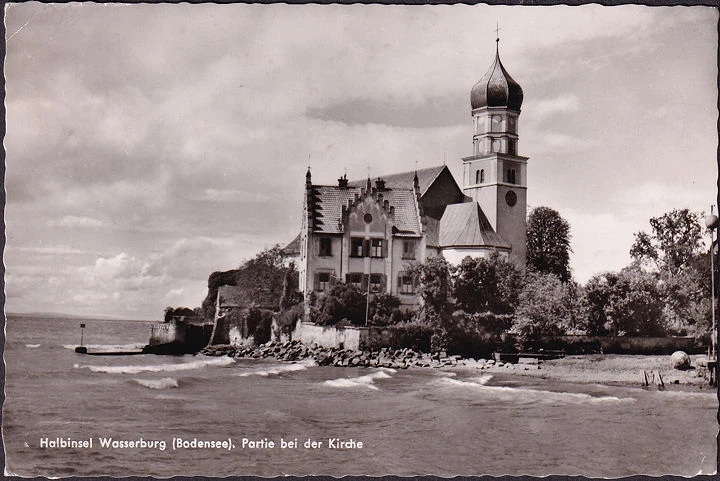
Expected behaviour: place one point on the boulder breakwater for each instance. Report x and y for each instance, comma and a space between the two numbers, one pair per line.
323, 356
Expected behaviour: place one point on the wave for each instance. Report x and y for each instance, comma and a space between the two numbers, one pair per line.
164, 383
109, 347
269, 371
195, 364
32, 346
528, 395
367, 381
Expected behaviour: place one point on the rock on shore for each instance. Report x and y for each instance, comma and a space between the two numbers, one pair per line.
323, 356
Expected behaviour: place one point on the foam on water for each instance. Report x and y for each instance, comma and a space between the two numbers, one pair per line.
269, 371
32, 346
108, 347
367, 381
528, 395
184, 366
164, 383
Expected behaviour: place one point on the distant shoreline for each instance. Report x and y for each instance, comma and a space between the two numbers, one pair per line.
70, 317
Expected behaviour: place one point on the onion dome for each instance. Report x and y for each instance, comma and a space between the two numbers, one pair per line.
496, 89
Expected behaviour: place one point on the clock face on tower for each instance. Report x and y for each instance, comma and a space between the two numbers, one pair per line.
511, 198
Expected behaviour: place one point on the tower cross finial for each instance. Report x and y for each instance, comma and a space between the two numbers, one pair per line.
497, 32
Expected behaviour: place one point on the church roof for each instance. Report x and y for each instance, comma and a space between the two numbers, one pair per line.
496, 89
329, 199
465, 225
405, 180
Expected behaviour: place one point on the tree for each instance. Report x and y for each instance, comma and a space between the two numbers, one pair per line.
171, 312
262, 277
547, 306
290, 294
342, 302
548, 243
433, 277
628, 302
674, 252
384, 309
486, 285
675, 241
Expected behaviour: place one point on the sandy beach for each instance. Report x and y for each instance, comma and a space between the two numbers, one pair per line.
610, 369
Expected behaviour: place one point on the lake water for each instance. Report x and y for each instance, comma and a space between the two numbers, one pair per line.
410, 422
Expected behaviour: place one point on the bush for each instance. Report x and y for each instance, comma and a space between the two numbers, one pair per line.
259, 322
486, 284
342, 302
547, 306
384, 309
476, 335
628, 302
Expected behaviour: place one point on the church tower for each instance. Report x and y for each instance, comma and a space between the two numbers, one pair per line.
495, 176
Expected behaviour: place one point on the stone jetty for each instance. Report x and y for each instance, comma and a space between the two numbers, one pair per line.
324, 356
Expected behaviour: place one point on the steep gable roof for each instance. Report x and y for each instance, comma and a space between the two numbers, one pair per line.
405, 180
328, 201
465, 225
292, 249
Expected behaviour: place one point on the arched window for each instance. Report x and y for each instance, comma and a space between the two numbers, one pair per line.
482, 176
511, 176
477, 176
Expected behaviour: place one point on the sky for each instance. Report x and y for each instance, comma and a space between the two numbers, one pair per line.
150, 145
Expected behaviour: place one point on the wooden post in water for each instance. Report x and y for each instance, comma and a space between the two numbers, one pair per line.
81, 349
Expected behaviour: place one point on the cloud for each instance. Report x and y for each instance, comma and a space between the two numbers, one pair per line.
543, 108
231, 195
58, 250
77, 221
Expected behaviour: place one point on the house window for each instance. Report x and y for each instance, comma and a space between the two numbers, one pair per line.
511, 176
408, 249
356, 247
325, 247
375, 282
406, 284
323, 283
355, 279
376, 248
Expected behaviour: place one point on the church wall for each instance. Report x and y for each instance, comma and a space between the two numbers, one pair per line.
456, 255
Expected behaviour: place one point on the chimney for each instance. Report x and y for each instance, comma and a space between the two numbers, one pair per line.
343, 182
380, 184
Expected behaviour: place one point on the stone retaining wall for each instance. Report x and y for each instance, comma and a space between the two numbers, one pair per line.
329, 336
